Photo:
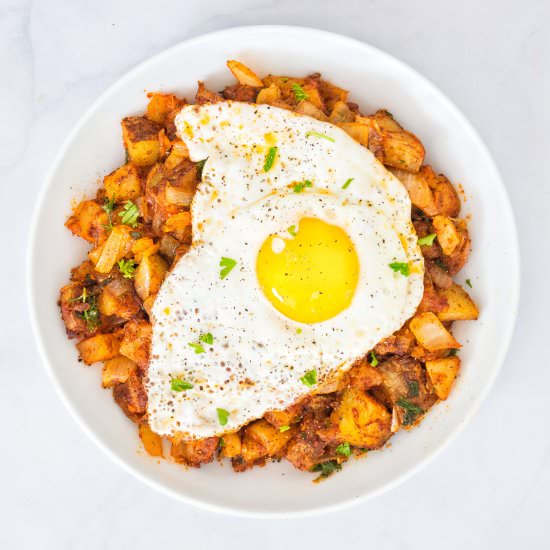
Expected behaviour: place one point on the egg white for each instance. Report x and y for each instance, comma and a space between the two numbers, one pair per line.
258, 356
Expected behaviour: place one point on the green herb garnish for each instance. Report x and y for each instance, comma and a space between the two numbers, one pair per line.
343, 449
197, 347
135, 234
109, 206
298, 330
414, 389
317, 134
299, 93
469, 283
411, 410
223, 415
221, 443
91, 315
327, 468
129, 214
200, 167
207, 338
309, 378
228, 264
346, 185
428, 240
284, 428
401, 267
454, 351
177, 384
127, 268
292, 230
270, 159
299, 187
374, 359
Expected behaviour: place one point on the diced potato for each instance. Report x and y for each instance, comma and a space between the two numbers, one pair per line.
269, 95
123, 184
447, 235
430, 332
162, 106
88, 221
231, 445
177, 222
313, 95
243, 74
117, 298
141, 139
148, 303
99, 348
116, 371
204, 95
178, 153
269, 437
117, 245
332, 94
403, 150
445, 197
358, 131
385, 121
136, 341
419, 191
442, 373
144, 247
149, 275
131, 397
286, 417
460, 306
363, 376
307, 108
341, 113
195, 453
151, 441
251, 449
361, 420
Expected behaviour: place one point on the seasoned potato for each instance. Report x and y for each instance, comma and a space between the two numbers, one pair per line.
419, 191
162, 108
88, 221
430, 333
361, 420
359, 132
141, 139
460, 306
118, 298
149, 275
307, 108
118, 244
231, 445
403, 150
151, 441
286, 417
99, 348
332, 94
362, 376
195, 453
123, 184
445, 197
243, 74
131, 397
177, 222
144, 247
251, 451
442, 373
269, 95
447, 235
204, 95
269, 437
116, 371
341, 113
456, 261
136, 341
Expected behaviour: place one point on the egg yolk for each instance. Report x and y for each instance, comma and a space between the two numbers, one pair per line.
310, 276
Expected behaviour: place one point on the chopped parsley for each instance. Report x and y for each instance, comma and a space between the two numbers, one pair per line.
223, 415
309, 378
401, 267
411, 410
292, 230
127, 268
344, 449
323, 136
221, 443
298, 330
469, 283
299, 187
299, 93
228, 264
135, 234
197, 347
129, 214
374, 359
327, 468
200, 167
177, 384
207, 338
454, 351
414, 389
109, 206
346, 185
90, 315
284, 428
428, 240
270, 159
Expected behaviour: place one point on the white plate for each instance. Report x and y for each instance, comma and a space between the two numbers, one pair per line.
376, 80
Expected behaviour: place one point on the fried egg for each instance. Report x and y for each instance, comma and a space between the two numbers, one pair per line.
303, 258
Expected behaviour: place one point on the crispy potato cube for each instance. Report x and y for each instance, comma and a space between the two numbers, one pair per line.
442, 373
447, 235
123, 184
88, 221
251, 449
149, 275
363, 376
117, 298
286, 417
178, 153
430, 332
162, 106
117, 245
152, 442
385, 121
419, 191
231, 445
99, 348
361, 420
243, 74
116, 371
195, 453
403, 150
269, 95
313, 96
148, 303
136, 341
445, 197
141, 139
341, 113
460, 306
358, 131
204, 95
269, 437
177, 222
144, 247
307, 108
332, 94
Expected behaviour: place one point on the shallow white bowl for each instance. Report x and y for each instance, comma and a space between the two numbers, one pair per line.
376, 80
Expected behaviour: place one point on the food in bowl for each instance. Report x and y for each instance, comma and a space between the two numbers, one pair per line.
270, 276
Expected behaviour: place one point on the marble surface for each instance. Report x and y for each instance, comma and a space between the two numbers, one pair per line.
489, 489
